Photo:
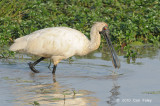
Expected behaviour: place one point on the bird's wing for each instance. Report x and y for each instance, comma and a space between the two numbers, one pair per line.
57, 41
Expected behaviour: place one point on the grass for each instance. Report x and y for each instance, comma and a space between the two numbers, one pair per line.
131, 22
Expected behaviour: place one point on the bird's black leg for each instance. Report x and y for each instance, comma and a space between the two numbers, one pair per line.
31, 65
54, 69
49, 64
54, 78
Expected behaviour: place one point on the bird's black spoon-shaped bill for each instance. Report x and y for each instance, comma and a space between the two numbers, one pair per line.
115, 59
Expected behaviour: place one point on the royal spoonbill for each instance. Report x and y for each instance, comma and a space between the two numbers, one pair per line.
60, 43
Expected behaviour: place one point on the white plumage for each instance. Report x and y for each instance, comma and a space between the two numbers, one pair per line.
59, 43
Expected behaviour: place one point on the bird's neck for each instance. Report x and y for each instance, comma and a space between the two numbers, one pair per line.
95, 39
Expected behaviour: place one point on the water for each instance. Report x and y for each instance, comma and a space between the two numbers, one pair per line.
84, 81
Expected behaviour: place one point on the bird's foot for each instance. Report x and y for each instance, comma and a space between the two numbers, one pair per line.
31, 66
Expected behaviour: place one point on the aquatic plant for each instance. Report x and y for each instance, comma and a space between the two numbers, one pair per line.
129, 21
35, 103
151, 92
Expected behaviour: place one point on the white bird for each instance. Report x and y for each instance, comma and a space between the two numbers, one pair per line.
60, 43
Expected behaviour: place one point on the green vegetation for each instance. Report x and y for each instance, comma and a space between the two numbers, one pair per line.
35, 103
152, 92
129, 20
18, 80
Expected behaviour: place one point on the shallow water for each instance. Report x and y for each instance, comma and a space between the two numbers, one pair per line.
84, 81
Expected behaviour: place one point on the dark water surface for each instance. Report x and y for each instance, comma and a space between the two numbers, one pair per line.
84, 81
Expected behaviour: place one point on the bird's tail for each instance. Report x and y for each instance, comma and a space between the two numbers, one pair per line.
19, 45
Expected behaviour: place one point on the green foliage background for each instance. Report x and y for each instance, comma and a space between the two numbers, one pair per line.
128, 20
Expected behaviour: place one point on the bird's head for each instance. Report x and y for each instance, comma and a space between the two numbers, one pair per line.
104, 30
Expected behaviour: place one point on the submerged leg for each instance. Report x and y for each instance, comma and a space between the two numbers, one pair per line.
54, 69
54, 78
31, 65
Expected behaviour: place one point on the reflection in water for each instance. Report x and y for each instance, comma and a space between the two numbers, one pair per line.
21, 89
129, 60
54, 78
114, 92
51, 94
